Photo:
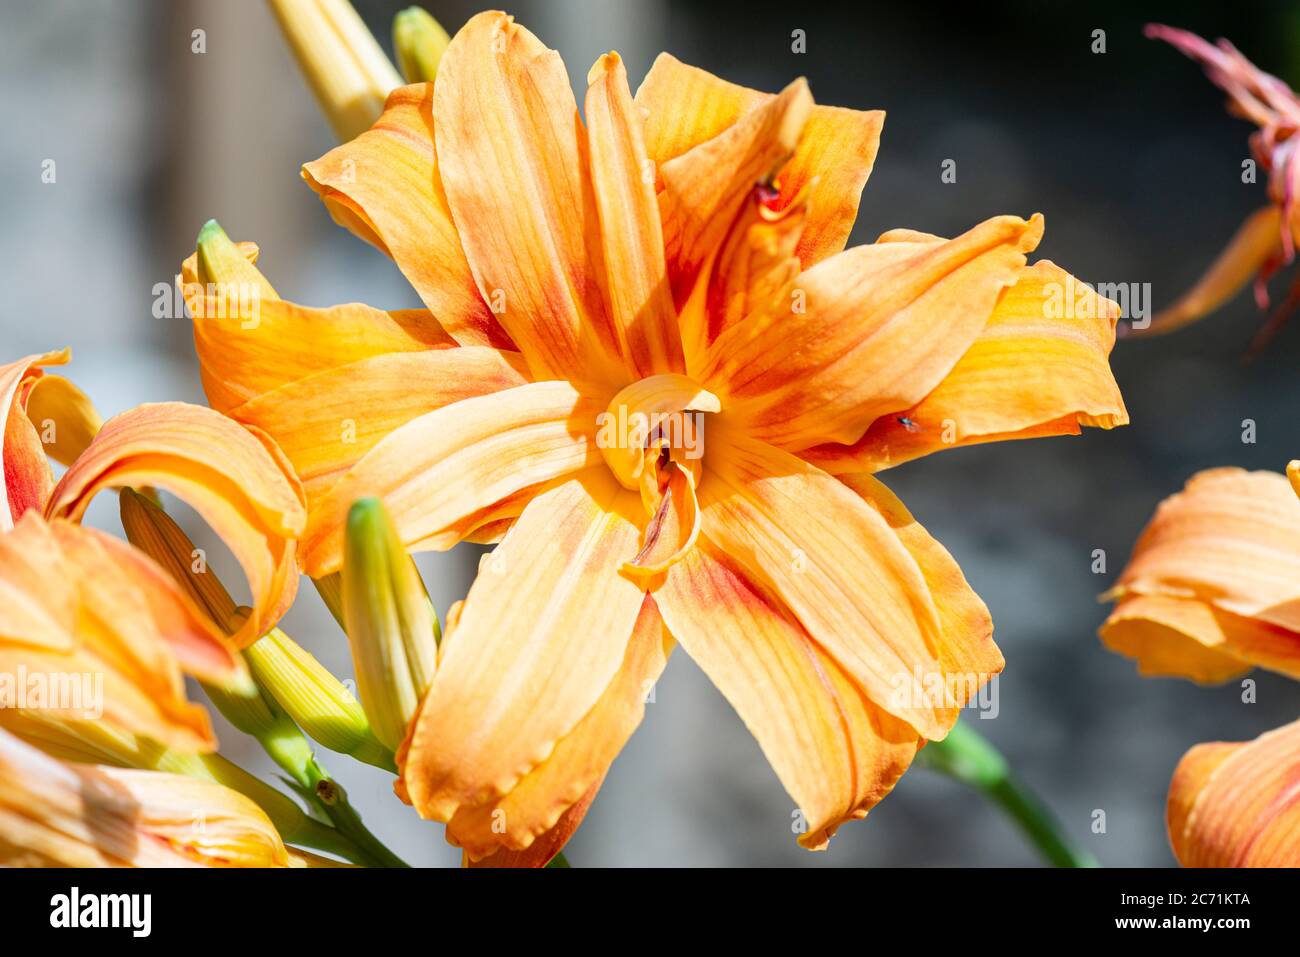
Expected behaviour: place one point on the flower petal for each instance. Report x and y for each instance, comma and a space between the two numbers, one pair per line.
1238, 805
836, 752
1032, 372
1195, 768
235, 479
837, 565
54, 814
546, 797
1231, 539
386, 187
546, 846
872, 330
291, 342
541, 636
95, 631
27, 477
1183, 637
641, 305
752, 274
967, 653
704, 189
438, 473
249, 344
686, 106
512, 155
325, 423
162, 606
1257, 241
71, 418
674, 521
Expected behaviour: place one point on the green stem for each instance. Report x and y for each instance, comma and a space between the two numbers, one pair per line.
293, 824
969, 758
258, 714
328, 795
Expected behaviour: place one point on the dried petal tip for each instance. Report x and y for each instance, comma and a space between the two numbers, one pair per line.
390, 622
419, 41
340, 59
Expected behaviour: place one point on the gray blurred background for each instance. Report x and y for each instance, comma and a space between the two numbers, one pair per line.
1128, 154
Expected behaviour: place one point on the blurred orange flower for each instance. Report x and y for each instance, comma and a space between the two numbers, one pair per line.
1213, 590
1213, 587
1238, 805
56, 814
96, 638
1266, 240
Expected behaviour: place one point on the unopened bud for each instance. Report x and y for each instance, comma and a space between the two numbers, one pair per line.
420, 42
341, 60
314, 698
156, 533
390, 622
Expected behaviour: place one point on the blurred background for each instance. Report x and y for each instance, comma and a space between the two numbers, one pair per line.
1128, 154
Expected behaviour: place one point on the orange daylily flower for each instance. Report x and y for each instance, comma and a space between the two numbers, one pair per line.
95, 635
1267, 239
676, 260
235, 478
1236, 805
78, 602
1213, 586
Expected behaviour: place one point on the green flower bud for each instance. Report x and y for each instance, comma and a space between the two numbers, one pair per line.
390, 622
420, 42
314, 698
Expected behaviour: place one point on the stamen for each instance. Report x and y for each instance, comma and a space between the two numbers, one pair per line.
655, 526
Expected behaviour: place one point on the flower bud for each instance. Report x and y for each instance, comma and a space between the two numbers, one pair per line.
420, 42
289, 685
156, 533
341, 60
390, 622
314, 698
221, 262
